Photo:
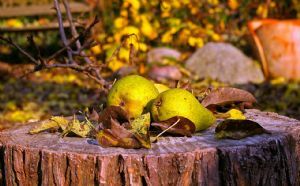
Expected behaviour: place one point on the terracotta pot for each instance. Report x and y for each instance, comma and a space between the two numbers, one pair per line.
278, 44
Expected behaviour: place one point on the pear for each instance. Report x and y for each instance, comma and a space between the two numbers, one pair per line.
180, 102
161, 87
132, 93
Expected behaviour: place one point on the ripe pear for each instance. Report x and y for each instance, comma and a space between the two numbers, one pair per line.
161, 87
132, 93
180, 102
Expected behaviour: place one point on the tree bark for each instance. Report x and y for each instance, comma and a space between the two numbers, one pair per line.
47, 159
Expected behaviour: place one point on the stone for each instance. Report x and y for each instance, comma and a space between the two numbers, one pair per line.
156, 55
225, 63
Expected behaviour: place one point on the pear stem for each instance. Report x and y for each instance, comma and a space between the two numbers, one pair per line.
155, 139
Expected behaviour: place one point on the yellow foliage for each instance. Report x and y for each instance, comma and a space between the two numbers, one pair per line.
96, 49
134, 3
147, 29
235, 114
167, 37
120, 22
213, 2
124, 54
165, 6
196, 42
233, 4
126, 31
278, 81
115, 64
262, 11
14, 23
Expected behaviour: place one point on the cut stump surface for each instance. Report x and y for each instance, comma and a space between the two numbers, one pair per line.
48, 159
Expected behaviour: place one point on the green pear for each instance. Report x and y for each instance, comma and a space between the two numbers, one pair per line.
180, 102
132, 93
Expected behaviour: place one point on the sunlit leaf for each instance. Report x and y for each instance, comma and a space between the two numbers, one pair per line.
54, 122
81, 129
140, 129
238, 129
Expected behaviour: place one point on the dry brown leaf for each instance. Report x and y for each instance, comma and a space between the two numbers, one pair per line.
238, 129
184, 127
114, 112
228, 95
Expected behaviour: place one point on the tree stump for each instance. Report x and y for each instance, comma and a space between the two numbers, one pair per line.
48, 159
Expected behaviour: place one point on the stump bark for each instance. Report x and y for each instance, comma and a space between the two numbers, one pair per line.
48, 159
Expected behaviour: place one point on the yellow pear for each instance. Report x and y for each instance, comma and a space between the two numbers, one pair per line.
180, 102
132, 93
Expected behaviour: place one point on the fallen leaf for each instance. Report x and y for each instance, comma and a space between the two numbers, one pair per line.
140, 129
184, 127
236, 114
226, 96
117, 136
238, 129
231, 114
114, 112
81, 129
54, 122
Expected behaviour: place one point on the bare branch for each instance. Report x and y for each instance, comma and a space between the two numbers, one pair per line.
22, 51
62, 31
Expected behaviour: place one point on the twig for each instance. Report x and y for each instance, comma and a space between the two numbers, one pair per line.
74, 31
22, 51
62, 30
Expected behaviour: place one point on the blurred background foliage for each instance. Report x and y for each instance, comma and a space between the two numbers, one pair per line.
184, 25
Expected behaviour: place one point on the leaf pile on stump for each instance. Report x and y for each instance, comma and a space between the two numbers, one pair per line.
112, 126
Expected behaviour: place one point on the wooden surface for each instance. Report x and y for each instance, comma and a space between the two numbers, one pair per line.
37, 10
50, 26
47, 159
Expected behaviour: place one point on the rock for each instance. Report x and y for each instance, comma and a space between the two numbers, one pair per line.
225, 63
158, 54
164, 73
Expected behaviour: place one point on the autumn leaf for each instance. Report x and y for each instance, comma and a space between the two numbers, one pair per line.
81, 129
114, 112
184, 127
140, 129
117, 136
228, 95
231, 114
238, 129
54, 122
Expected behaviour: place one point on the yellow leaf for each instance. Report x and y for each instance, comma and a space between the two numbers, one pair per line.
96, 49
115, 64
236, 114
124, 54
14, 23
166, 37
278, 81
120, 22
142, 47
147, 29
216, 37
165, 6
233, 4
134, 4
196, 42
